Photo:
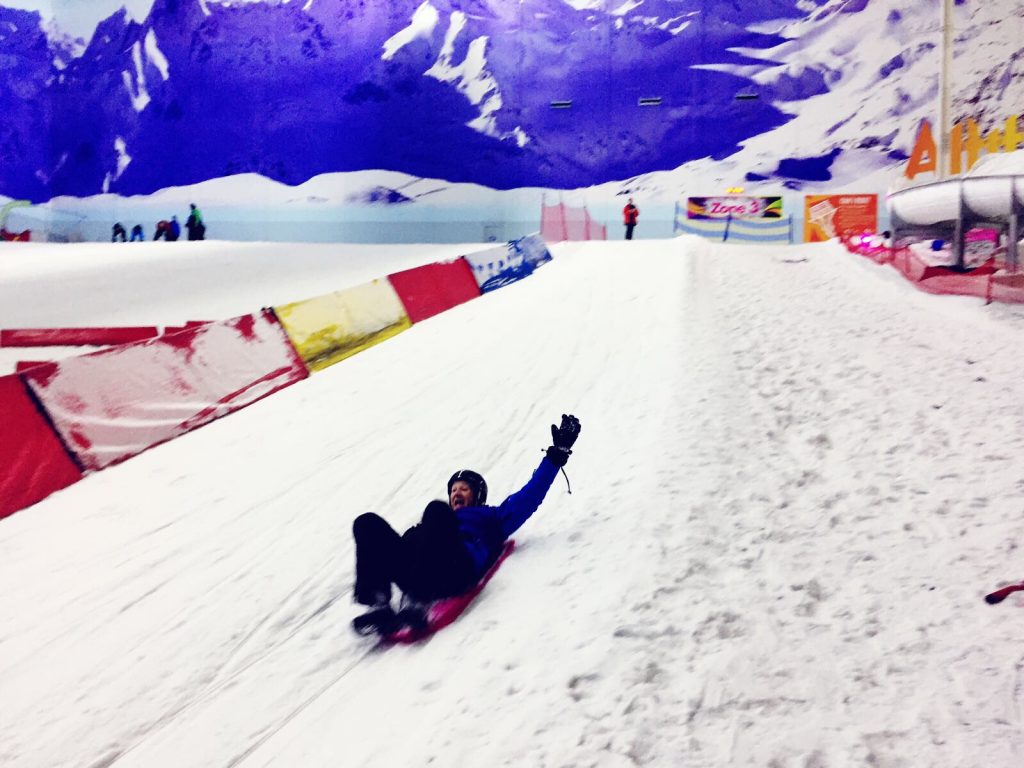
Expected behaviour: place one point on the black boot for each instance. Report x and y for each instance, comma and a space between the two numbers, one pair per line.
412, 614
379, 619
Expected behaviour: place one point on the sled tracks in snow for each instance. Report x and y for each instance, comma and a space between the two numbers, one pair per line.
283, 723
218, 685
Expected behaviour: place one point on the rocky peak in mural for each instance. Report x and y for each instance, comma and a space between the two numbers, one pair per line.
25, 75
538, 93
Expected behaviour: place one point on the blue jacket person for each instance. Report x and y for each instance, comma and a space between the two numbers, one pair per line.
452, 546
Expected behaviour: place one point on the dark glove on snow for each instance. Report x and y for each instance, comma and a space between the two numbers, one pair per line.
562, 438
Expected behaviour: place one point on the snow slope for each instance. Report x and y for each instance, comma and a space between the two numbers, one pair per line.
795, 481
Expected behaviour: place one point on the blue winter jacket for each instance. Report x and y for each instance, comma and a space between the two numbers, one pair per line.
485, 529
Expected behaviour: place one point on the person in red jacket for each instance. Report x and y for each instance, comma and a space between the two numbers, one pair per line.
629, 216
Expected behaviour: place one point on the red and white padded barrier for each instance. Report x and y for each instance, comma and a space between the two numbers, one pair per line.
74, 337
113, 404
33, 463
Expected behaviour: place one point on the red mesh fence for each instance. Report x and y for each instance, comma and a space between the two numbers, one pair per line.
552, 224
561, 222
992, 279
595, 231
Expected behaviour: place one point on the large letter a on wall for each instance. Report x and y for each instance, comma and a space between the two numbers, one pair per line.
924, 158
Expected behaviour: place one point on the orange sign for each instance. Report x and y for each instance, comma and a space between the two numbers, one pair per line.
829, 216
925, 156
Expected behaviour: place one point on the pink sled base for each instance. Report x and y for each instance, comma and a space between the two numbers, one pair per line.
444, 612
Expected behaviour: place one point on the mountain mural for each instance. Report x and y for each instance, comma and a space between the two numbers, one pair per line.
789, 93
461, 91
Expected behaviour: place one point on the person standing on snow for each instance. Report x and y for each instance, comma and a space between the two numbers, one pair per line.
629, 216
194, 223
175, 229
453, 545
118, 233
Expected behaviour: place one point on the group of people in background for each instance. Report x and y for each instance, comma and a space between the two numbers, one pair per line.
195, 228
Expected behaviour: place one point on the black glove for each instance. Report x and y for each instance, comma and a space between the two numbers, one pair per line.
562, 438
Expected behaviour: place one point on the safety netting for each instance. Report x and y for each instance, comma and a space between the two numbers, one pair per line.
987, 275
562, 222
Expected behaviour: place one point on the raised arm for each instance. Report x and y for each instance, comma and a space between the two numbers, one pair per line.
517, 508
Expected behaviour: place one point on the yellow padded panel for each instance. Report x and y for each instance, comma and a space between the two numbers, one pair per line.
327, 329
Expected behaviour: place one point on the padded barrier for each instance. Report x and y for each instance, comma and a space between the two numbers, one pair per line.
494, 268
187, 325
428, 290
115, 403
508, 263
327, 329
760, 230
731, 229
533, 248
15, 237
24, 365
712, 229
74, 337
33, 462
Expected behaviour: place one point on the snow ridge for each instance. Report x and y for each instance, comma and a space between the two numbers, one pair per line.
156, 56
472, 79
422, 25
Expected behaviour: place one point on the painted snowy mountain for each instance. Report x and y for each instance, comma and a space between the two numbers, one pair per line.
454, 90
462, 91
878, 68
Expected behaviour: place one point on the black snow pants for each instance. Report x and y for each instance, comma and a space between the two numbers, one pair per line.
427, 562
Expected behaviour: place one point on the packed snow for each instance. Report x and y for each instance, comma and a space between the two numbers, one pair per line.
796, 479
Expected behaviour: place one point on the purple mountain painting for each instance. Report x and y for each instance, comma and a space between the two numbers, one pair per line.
538, 93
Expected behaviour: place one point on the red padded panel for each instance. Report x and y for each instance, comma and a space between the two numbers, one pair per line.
428, 290
33, 462
74, 337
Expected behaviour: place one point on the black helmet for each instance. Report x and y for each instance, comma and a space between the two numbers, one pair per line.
475, 481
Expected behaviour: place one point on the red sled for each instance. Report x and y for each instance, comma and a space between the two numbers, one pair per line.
443, 612
1001, 594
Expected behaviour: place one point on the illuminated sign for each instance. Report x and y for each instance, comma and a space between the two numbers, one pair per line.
925, 157
735, 206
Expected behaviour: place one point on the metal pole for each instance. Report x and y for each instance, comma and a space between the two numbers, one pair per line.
565, 224
946, 70
1014, 233
960, 235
